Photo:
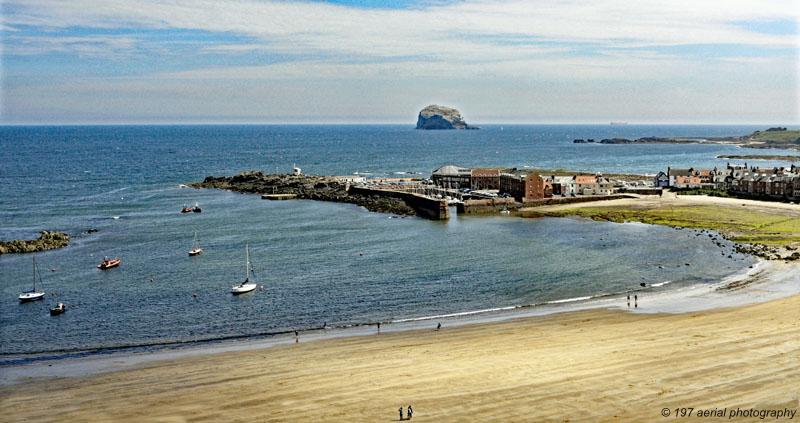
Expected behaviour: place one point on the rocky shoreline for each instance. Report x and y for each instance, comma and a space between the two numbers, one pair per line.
47, 241
309, 187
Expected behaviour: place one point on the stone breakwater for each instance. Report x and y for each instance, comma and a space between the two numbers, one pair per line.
310, 187
47, 241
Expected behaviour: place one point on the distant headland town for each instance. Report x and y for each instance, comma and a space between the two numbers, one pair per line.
778, 137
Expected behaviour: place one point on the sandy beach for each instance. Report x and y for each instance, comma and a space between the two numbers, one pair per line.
672, 199
591, 365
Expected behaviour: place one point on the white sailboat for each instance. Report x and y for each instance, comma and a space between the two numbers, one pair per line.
196, 250
245, 286
33, 294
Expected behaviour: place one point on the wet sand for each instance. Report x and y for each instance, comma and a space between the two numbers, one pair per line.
591, 365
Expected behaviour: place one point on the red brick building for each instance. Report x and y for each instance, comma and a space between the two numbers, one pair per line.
524, 187
485, 179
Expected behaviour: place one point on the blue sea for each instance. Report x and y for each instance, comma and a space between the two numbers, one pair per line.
319, 263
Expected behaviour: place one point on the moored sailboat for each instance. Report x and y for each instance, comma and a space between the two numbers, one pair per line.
33, 294
196, 250
247, 285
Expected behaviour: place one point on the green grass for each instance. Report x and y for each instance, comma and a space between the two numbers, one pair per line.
740, 225
777, 136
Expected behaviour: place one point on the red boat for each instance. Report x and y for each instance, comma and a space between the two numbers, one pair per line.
108, 263
186, 209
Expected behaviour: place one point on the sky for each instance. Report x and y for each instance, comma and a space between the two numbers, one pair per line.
361, 61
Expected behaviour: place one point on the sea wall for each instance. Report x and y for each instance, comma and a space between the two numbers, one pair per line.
570, 200
640, 191
488, 205
425, 207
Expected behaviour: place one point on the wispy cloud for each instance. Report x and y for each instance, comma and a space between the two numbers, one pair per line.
447, 31
477, 43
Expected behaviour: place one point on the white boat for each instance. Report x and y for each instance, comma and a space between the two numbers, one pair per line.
33, 294
245, 286
196, 250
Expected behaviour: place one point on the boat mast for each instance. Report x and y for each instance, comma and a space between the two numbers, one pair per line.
247, 263
34, 273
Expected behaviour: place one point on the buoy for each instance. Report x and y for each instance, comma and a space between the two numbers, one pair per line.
53, 269
361, 254
261, 287
195, 294
53, 294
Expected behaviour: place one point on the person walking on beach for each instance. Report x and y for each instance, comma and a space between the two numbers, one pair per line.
629, 301
439, 326
379, 326
401, 413
635, 301
409, 413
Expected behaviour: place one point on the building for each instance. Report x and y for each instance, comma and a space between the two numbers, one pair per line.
524, 187
688, 182
485, 179
454, 177
673, 174
661, 180
562, 185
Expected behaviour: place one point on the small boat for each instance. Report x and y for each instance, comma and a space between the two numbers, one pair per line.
245, 286
33, 294
58, 309
108, 263
196, 208
186, 209
196, 250
505, 210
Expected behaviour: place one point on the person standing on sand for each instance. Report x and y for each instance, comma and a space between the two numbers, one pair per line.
401, 413
635, 301
439, 326
629, 301
409, 413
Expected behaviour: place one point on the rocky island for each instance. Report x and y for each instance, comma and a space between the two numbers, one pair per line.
47, 241
440, 117
309, 187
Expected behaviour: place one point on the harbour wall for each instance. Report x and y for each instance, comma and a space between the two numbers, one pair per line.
495, 205
429, 208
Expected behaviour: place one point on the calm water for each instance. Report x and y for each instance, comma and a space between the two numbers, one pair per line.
318, 262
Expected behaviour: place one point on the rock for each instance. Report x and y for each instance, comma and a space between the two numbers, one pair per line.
440, 117
310, 187
47, 241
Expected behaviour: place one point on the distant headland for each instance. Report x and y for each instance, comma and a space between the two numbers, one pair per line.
781, 138
440, 117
